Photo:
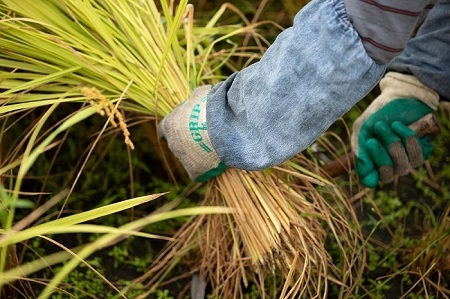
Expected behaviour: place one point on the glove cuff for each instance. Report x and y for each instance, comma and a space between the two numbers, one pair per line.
186, 132
397, 85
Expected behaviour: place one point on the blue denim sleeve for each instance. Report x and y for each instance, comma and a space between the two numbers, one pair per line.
312, 74
427, 54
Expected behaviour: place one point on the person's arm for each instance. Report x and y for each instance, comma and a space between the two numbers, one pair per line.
312, 74
386, 26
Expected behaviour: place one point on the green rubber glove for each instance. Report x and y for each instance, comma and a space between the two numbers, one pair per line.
186, 133
383, 144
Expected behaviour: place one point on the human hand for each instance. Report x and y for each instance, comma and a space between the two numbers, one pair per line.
187, 136
383, 144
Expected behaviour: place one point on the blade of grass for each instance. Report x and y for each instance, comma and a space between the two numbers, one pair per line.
40, 81
10, 237
103, 241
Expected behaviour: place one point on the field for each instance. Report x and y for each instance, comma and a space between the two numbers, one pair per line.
93, 210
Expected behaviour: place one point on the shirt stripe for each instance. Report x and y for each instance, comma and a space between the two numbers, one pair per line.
393, 9
381, 46
385, 26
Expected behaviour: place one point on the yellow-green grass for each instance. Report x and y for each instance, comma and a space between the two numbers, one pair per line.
146, 57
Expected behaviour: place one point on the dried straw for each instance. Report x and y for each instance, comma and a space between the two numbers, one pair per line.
431, 258
283, 219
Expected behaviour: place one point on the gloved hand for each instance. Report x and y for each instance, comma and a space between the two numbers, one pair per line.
187, 136
383, 144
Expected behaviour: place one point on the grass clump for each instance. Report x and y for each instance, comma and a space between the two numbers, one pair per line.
146, 57
293, 231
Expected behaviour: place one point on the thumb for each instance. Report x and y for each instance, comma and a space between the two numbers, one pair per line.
365, 168
160, 129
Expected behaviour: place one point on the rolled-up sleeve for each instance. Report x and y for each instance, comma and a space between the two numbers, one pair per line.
312, 74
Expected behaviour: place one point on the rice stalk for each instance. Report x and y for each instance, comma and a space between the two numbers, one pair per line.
436, 246
76, 47
83, 43
230, 251
431, 258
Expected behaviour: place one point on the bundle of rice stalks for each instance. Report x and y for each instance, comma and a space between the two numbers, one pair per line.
284, 218
146, 57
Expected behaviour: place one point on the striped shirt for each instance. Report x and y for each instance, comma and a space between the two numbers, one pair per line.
385, 26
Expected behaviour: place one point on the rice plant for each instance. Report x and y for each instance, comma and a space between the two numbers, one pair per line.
144, 57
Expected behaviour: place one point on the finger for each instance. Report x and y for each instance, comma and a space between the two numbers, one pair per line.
411, 143
366, 170
371, 180
381, 159
393, 144
166, 125
384, 134
161, 129
427, 147
364, 164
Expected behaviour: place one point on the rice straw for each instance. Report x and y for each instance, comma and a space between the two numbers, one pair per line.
50, 47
